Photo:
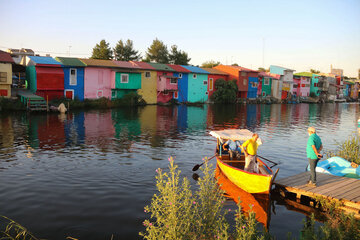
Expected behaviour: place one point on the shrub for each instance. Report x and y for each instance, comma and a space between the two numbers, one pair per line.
225, 91
349, 149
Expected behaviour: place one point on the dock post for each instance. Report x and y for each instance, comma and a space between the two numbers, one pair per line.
47, 103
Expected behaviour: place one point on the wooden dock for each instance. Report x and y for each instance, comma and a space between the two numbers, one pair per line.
31, 101
342, 189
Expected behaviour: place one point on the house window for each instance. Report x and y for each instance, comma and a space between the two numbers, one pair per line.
113, 94
205, 82
164, 74
124, 78
194, 76
147, 74
254, 84
176, 95
99, 93
73, 74
243, 74
3, 76
180, 75
207, 93
244, 81
173, 81
295, 85
166, 93
211, 81
266, 81
263, 94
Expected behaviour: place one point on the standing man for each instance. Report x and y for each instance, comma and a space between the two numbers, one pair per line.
313, 148
250, 149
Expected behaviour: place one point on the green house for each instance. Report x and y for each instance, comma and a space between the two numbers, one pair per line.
124, 83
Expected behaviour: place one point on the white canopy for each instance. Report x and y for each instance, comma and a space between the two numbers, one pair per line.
234, 134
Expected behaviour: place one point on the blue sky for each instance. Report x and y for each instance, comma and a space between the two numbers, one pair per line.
295, 34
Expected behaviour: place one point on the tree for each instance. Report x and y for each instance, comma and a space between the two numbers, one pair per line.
314, 71
102, 51
210, 64
235, 64
157, 52
126, 52
225, 91
178, 57
261, 69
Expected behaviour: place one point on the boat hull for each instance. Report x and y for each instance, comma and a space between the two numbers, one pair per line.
250, 182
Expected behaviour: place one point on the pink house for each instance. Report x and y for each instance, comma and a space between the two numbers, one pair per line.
301, 86
98, 76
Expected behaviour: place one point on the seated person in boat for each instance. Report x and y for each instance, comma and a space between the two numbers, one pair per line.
233, 148
250, 149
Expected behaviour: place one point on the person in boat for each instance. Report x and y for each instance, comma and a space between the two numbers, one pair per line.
233, 148
250, 149
313, 148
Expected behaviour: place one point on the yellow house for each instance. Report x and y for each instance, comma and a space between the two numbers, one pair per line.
5, 74
148, 89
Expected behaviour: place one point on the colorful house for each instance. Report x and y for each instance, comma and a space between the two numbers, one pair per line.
125, 80
253, 85
183, 80
276, 86
97, 78
6, 62
73, 77
287, 78
301, 87
314, 84
214, 75
167, 83
197, 84
45, 77
265, 82
148, 89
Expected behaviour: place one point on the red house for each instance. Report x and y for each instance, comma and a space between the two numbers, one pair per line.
214, 75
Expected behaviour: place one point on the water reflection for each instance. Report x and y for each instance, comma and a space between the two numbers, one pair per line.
75, 160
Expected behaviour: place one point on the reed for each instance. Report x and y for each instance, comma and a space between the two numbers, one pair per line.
348, 149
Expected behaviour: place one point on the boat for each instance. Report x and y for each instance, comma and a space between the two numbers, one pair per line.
251, 182
337, 166
256, 203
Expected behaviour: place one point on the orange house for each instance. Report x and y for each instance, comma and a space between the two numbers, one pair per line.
214, 75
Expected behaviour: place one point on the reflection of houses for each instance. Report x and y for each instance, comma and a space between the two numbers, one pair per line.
183, 82
287, 79
45, 77
197, 84
214, 75
247, 79
99, 129
125, 80
167, 83
73, 77
97, 78
167, 118
148, 89
75, 129
5, 74
196, 118
126, 123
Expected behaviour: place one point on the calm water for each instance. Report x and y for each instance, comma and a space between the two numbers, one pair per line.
89, 174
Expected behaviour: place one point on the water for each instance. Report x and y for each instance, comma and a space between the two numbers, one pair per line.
89, 174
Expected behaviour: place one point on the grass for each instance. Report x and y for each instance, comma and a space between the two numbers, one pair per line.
348, 149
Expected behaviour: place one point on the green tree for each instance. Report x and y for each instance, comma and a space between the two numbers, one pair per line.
126, 52
314, 71
225, 91
178, 57
157, 52
261, 69
102, 50
235, 64
210, 64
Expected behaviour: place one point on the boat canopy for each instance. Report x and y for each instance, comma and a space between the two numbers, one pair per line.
234, 134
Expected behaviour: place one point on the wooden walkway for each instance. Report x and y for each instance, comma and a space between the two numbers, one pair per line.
342, 189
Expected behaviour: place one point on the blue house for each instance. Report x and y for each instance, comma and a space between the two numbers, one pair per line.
73, 77
197, 84
183, 81
253, 87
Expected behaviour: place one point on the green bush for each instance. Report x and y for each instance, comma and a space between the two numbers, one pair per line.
225, 91
349, 149
11, 104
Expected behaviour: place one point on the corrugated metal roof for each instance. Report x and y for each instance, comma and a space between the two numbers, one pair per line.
275, 76
178, 68
304, 74
44, 60
124, 64
98, 63
265, 74
162, 67
74, 62
215, 71
144, 65
5, 57
194, 69
242, 68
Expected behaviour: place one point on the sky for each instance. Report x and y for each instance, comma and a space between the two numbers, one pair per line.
300, 35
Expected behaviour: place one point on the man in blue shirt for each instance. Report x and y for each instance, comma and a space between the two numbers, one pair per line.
232, 147
313, 148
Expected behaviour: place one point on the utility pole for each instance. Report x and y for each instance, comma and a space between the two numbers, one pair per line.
69, 50
263, 52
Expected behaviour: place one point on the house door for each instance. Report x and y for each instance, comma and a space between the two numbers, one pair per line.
69, 94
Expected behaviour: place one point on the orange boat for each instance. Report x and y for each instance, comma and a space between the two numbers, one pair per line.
233, 169
257, 203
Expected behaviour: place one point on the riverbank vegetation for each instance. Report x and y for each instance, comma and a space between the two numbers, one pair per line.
348, 149
226, 91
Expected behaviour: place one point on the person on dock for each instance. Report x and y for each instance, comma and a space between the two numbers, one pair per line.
250, 149
232, 147
313, 148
